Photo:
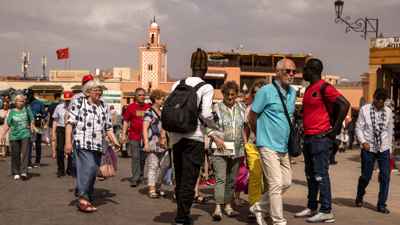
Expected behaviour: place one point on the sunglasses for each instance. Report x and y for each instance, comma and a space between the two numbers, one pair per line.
289, 71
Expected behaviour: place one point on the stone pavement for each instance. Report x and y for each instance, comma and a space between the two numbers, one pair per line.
48, 200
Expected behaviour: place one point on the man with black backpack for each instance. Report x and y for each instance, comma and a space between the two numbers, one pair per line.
324, 110
189, 103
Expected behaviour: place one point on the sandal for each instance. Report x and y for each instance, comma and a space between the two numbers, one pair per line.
153, 194
86, 207
200, 199
230, 212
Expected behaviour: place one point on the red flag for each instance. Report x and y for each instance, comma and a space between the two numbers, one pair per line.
62, 53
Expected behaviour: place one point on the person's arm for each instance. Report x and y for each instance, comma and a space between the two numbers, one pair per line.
390, 128
109, 130
360, 126
53, 139
71, 115
206, 115
163, 139
343, 107
252, 121
126, 118
68, 139
3, 132
146, 125
124, 131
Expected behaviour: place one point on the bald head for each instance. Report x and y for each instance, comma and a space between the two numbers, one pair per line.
284, 64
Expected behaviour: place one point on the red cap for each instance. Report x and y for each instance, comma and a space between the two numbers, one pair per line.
68, 95
86, 78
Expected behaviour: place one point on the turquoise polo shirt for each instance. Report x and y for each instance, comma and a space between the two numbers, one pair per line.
272, 126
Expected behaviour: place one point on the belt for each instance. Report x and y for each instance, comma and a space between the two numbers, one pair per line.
323, 135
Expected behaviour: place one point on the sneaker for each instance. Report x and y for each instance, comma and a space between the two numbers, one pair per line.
258, 214
29, 167
322, 218
16, 177
306, 213
37, 165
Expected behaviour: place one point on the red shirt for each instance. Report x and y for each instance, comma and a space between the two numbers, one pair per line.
134, 115
315, 114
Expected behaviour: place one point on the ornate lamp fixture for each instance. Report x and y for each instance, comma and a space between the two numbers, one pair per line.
362, 25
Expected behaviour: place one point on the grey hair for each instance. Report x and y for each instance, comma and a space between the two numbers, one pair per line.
280, 64
90, 85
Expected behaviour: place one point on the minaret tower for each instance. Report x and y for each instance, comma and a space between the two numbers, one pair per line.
153, 59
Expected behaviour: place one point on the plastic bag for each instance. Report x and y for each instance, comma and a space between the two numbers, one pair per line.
108, 166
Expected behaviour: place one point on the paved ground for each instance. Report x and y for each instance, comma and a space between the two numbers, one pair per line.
47, 200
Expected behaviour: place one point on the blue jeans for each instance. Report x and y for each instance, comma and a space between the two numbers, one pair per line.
87, 163
316, 159
367, 167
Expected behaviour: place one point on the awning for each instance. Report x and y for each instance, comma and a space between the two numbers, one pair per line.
47, 88
215, 75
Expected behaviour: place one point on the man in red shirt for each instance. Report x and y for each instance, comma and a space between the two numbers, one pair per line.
324, 110
133, 119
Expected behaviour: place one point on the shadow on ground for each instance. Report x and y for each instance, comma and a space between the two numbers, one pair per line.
350, 202
101, 197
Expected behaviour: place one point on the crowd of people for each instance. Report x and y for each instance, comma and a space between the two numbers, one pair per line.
244, 143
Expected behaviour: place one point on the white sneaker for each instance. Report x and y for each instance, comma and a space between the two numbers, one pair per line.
322, 218
259, 215
24, 175
16, 177
306, 213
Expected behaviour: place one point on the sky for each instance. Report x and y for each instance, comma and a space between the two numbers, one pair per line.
106, 34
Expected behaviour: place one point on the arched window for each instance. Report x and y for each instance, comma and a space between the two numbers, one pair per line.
152, 38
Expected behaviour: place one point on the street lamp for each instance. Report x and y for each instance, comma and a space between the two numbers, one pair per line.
362, 25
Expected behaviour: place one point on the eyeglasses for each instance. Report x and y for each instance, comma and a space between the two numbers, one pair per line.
96, 90
290, 71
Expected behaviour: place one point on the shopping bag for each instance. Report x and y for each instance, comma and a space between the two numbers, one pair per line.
108, 166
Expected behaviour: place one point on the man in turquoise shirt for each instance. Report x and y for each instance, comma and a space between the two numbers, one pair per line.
272, 133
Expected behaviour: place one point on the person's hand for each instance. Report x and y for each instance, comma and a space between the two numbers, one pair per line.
117, 146
68, 148
53, 154
123, 139
365, 146
220, 143
146, 147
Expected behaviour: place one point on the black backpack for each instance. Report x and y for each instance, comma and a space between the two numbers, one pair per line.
333, 110
180, 112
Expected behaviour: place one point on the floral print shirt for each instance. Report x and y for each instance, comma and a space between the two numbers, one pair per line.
90, 123
154, 131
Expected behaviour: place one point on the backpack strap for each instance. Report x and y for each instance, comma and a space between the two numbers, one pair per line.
199, 85
283, 105
182, 82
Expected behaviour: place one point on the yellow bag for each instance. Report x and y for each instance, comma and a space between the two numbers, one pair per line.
255, 173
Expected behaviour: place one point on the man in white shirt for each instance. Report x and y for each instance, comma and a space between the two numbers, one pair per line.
374, 130
188, 148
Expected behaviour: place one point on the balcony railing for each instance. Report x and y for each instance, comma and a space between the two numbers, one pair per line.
267, 69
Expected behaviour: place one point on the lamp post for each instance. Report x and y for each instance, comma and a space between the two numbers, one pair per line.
362, 25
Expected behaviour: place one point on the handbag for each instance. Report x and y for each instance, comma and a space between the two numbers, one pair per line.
294, 142
108, 165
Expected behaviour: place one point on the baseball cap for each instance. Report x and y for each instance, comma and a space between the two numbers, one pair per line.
86, 78
68, 95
